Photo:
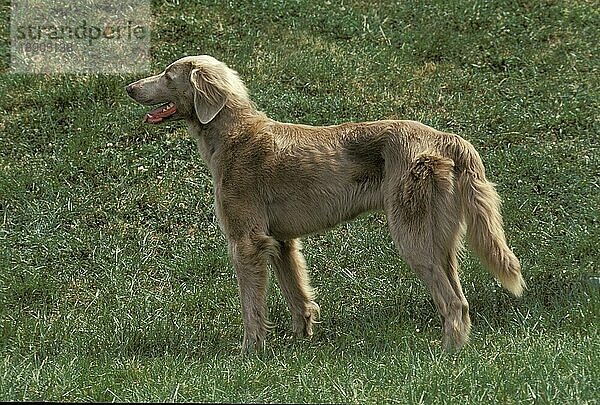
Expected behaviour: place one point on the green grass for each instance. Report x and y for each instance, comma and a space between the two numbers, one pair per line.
114, 277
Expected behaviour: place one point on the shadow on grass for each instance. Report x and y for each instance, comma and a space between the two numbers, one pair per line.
551, 301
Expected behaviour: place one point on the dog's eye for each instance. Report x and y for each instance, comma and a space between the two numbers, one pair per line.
169, 75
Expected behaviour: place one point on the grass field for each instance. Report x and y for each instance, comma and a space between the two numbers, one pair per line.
114, 278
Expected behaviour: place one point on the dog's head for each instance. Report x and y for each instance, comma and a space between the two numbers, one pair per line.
189, 88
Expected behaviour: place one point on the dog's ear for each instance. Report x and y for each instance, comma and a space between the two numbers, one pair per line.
208, 101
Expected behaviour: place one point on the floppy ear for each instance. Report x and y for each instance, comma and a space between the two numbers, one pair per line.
208, 101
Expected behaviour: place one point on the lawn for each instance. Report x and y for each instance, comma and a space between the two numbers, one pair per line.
114, 279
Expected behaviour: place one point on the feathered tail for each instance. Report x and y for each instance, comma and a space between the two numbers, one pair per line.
481, 207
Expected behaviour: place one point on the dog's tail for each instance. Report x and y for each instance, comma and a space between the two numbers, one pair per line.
481, 207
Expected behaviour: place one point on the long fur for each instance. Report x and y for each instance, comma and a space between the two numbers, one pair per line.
275, 182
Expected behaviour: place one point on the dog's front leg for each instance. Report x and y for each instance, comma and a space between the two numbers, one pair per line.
250, 264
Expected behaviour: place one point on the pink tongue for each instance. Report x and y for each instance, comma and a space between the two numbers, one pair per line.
157, 115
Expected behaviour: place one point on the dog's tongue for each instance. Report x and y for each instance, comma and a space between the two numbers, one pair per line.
157, 115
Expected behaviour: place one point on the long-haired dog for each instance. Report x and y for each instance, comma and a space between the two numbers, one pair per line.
275, 182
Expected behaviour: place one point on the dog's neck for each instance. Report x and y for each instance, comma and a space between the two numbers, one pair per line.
210, 136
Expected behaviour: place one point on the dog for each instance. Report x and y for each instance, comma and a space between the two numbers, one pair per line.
276, 182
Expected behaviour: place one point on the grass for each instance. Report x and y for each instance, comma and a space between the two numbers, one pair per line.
114, 279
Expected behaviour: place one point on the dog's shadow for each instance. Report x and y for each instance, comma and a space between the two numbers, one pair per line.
408, 313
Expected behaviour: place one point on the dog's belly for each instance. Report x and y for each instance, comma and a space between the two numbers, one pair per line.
295, 217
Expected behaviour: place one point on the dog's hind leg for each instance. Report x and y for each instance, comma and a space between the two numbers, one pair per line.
449, 305
441, 279
425, 222
250, 255
451, 267
290, 270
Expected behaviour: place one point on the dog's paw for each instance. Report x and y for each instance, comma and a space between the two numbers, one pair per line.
303, 322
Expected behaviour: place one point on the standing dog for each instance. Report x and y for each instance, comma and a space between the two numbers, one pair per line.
275, 182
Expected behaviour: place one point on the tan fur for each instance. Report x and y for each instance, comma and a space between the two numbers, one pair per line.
275, 182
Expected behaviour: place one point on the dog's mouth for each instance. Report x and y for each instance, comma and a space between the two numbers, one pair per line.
161, 113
